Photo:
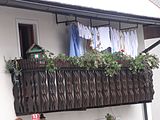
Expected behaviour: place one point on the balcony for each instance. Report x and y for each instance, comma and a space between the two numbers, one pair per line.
76, 88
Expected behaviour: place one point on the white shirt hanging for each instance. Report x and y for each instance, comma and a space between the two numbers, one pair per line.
84, 31
104, 38
128, 46
134, 43
115, 39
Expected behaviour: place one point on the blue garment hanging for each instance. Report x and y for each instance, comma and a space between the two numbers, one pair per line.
74, 40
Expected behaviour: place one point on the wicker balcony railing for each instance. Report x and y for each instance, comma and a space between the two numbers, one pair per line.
40, 91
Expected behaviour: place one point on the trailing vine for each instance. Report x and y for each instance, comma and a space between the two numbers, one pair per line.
13, 68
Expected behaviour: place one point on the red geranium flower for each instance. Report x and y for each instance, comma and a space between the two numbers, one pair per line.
122, 50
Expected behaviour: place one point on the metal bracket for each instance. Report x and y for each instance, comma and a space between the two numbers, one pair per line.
66, 21
128, 28
103, 25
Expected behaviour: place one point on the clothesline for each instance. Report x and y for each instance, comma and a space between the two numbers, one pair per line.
83, 37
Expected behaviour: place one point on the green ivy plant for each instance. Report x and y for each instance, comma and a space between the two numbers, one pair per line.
94, 59
110, 62
144, 61
90, 60
122, 58
49, 59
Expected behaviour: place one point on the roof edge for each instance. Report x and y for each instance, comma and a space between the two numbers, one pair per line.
79, 11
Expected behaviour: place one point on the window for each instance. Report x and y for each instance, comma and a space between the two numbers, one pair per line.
27, 36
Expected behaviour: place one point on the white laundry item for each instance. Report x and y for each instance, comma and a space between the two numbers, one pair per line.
131, 42
94, 34
104, 38
82, 46
118, 41
84, 31
134, 43
128, 47
112, 36
92, 41
112, 39
80, 29
98, 43
122, 41
115, 39
87, 33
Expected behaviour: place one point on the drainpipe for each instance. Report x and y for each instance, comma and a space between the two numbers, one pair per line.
145, 111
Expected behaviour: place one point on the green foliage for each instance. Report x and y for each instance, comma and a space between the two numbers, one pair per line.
12, 67
152, 61
62, 57
144, 61
122, 59
111, 63
95, 59
49, 58
110, 117
75, 61
91, 59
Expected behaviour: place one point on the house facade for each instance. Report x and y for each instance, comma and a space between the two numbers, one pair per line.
16, 20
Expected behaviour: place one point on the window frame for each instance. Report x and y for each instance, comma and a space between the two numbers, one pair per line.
35, 30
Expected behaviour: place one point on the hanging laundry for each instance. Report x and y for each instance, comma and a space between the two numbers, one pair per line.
127, 42
131, 42
115, 39
82, 46
84, 31
98, 42
94, 39
122, 42
87, 33
84, 38
104, 38
80, 27
134, 43
74, 40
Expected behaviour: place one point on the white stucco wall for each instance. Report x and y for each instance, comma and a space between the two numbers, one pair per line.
154, 107
52, 37
127, 112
